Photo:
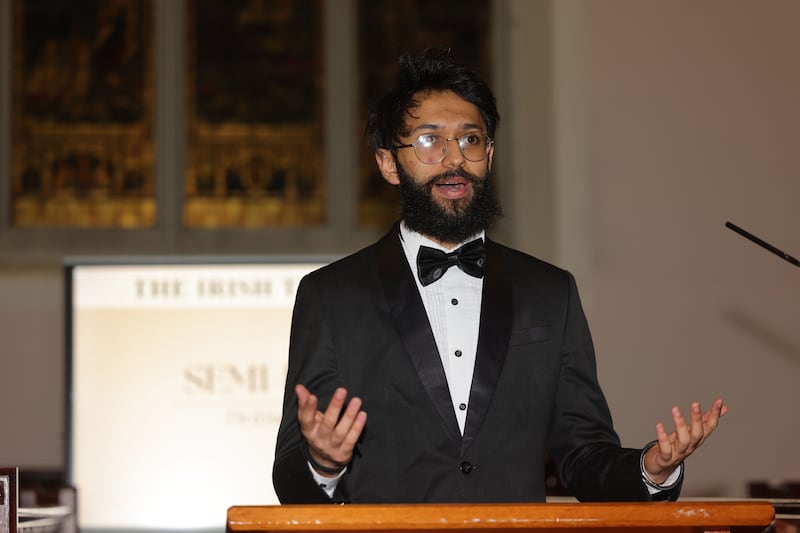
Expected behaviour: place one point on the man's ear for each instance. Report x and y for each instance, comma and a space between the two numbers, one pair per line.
491, 155
387, 165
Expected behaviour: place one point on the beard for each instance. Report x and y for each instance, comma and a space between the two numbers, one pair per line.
456, 220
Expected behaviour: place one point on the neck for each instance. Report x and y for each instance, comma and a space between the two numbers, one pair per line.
444, 244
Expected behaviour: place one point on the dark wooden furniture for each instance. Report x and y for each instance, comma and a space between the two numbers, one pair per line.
8, 500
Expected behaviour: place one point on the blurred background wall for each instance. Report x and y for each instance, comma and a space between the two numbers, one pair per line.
632, 131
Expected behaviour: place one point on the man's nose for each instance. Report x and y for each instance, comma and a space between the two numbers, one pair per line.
453, 156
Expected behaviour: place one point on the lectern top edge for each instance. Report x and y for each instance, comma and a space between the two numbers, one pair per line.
450, 518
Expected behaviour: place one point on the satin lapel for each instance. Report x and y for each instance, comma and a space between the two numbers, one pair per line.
412, 324
493, 337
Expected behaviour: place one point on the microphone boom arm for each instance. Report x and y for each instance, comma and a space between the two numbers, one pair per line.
763, 244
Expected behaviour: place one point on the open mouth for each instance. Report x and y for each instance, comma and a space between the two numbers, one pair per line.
452, 187
453, 183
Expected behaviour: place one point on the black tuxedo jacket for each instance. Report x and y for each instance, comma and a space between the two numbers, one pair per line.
360, 323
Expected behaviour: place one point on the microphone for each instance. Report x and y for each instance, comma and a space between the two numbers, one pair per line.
763, 244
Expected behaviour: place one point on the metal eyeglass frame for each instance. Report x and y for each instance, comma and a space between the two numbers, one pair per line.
489, 144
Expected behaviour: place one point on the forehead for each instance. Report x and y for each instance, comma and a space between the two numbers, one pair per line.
443, 110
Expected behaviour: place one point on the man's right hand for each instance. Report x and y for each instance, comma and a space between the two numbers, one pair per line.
330, 439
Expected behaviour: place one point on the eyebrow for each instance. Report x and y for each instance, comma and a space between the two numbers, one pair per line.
429, 126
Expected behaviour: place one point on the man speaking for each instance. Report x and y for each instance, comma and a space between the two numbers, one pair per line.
473, 360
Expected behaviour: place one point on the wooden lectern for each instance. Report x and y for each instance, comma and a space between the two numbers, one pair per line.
657, 517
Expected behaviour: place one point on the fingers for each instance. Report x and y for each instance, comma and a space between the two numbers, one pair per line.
332, 435
682, 436
353, 434
301, 392
672, 446
712, 416
664, 444
311, 419
344, 425
717, 410
688, 436
331, 416
306, 406
357, 419
697, 430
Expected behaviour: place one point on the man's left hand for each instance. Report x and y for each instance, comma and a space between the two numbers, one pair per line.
672, 448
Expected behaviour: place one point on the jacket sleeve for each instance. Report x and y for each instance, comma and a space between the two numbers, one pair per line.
592, 463
311, 363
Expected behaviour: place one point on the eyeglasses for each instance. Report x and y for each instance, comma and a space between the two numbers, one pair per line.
431, 148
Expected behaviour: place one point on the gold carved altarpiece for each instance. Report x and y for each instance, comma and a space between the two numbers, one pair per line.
82, 99
255, 147
82, 102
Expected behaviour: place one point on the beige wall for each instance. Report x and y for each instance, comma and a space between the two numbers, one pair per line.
692, 120
632, 130
31, 367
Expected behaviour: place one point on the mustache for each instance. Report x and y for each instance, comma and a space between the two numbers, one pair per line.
454, 173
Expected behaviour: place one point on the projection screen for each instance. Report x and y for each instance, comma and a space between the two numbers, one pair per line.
175, 374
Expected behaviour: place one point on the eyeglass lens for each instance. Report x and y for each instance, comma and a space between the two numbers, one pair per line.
432, 148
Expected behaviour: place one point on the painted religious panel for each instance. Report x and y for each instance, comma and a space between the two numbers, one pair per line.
82, 149
255, 150
387, 27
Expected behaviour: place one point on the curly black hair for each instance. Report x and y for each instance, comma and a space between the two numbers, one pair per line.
432, 70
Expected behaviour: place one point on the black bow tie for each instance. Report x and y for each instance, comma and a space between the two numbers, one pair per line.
433, 263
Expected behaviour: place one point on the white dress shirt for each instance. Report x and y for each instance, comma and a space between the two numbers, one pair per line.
453, 305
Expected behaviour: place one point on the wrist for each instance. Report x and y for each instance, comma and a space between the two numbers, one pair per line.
660, 480
324, 470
